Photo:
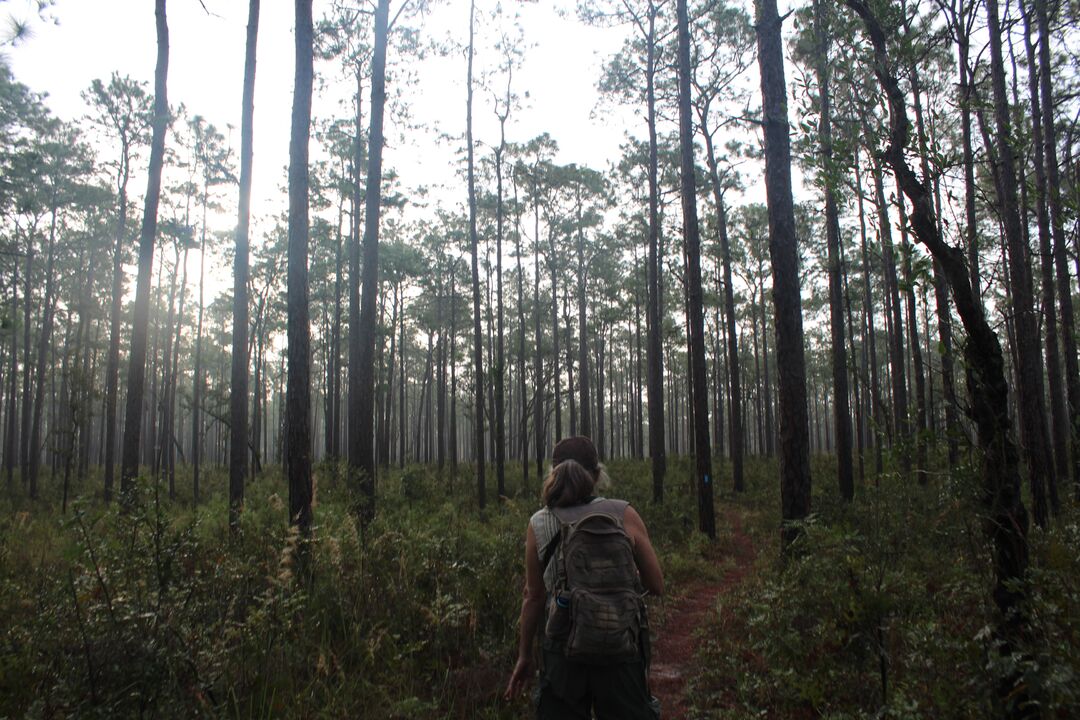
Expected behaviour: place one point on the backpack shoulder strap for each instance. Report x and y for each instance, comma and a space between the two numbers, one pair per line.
549, 550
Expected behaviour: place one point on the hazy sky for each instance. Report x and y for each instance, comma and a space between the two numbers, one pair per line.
93, 38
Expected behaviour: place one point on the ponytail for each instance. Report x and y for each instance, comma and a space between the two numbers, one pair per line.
568, 484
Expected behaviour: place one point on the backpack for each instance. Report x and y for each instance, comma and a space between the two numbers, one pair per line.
596, 608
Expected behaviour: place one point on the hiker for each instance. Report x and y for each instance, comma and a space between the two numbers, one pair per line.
595, 636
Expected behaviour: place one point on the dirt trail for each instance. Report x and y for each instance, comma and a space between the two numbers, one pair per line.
673, 653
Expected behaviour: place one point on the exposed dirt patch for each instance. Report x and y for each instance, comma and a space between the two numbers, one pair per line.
673, 653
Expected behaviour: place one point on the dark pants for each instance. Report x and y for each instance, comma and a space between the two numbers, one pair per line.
570, 690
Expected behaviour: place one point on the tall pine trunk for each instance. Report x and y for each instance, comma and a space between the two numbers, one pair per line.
841, 411
129, 467
695, 300
362, 336
238, 388
298, 389
1057, 226
1030, 386
48, 310
654, 350
478, 339
1046, 266
794, 430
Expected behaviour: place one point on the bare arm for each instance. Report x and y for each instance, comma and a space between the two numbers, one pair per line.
652, 577
532, 610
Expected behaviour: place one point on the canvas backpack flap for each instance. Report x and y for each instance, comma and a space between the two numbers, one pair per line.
598, 574
604, 627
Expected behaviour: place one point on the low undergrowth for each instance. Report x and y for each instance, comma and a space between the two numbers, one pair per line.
157, 611
884, 610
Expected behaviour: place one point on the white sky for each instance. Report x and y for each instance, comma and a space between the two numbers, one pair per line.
95, 37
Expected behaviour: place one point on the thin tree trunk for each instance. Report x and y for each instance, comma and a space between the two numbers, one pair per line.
538, 360
522, 409
916, 350
1057, 226
895, 336
197, 378
841, 418
27, 374
478, 342
654, 352
869, 339
500, 356
238, 386
1046, 264
10, 436
734, 371
44, 334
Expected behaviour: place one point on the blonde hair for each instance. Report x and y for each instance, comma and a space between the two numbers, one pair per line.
568, 484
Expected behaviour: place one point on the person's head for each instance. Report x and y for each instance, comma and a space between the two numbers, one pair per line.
581, 451
568, 484
579, 448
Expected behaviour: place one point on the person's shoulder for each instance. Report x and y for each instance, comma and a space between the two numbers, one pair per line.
540, 514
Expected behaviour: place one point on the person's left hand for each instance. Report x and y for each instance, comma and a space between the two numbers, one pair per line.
519, 678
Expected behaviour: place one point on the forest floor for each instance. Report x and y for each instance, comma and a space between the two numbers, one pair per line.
673, 656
